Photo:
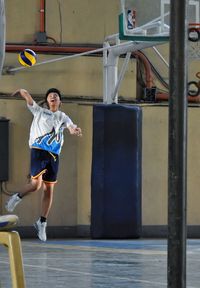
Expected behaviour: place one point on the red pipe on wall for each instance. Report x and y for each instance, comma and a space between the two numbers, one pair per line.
48, 49
42, 15
15, 48
149, 81
165, 97
147, 66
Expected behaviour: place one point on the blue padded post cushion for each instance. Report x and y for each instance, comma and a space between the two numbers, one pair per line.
116, 172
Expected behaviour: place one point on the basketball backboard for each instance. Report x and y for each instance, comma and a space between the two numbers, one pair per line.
149, 20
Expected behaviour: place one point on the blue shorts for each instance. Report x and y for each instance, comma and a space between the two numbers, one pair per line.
44, 163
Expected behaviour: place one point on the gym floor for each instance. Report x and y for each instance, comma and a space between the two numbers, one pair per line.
78, 263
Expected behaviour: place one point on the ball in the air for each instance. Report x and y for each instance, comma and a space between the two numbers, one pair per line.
27, 57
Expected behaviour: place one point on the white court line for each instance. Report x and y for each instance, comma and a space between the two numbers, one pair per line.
100, 249
93, 274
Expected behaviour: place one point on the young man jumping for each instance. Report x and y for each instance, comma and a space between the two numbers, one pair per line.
45, 141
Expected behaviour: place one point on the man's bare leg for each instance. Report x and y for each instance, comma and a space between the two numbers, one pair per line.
34, 185
47, 198
14, 200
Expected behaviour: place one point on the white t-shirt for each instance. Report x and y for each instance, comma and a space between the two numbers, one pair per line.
47, 128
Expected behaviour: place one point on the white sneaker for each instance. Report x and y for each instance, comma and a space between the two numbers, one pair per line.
41, 230
13, 202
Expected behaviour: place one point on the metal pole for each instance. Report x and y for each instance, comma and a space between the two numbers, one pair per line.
177, 177
105, 72
2, 34
120, 77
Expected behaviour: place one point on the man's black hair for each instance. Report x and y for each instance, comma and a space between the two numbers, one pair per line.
52, 90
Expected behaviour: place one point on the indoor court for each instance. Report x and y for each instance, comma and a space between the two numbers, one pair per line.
99, 263
124, 76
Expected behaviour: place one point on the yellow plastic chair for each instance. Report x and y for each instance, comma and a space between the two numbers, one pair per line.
12, 241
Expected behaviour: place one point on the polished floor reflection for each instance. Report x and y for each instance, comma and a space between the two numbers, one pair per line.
98, 264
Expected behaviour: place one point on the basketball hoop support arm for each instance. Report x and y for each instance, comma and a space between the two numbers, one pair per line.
111, 79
